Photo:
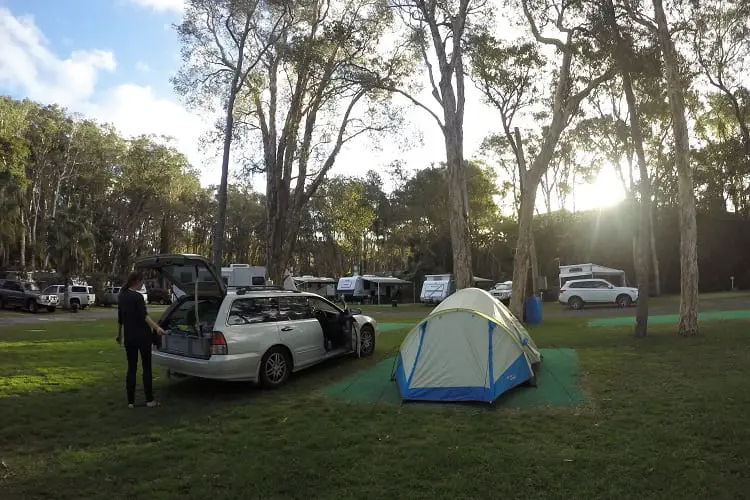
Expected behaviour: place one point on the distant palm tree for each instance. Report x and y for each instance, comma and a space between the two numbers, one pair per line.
71, 243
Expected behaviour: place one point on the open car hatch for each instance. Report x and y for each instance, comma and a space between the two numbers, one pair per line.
187, 272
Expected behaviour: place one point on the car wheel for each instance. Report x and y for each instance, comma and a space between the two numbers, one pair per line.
624, 301
51, 309
32, 307
575, 303
366, 341
275, 368
162, 302
2, 304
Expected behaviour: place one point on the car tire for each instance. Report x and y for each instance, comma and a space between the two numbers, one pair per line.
162, 302
575, 303
624, 301
366, 341
32, 306
51, 309
2, 304
275, 368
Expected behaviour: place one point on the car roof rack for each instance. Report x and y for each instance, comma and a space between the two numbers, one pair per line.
242, 290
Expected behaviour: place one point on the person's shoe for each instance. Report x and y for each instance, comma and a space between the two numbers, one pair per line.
152, 404
131, 405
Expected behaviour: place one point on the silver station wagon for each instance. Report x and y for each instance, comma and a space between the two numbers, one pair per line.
258, 334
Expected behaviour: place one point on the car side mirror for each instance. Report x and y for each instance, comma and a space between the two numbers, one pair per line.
611, 287
355, 310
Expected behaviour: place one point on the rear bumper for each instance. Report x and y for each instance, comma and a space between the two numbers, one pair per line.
233, 367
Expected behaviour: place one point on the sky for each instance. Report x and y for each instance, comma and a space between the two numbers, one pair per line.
112, 59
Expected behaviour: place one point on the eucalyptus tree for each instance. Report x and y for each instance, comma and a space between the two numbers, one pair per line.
223, 42
581, 66
438, 30
318, 87
658, 25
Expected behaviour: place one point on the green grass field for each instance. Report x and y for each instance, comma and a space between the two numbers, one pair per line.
666, 417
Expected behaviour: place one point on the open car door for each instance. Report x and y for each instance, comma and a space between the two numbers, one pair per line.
355, 335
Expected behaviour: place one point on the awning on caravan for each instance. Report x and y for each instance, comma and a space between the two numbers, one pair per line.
385, 280
477, 279
314, 280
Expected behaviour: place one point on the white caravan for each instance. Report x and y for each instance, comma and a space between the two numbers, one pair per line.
592, 271
237, 275
436, 288
352, 288
325, 287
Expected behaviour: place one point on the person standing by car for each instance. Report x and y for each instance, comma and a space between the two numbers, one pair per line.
134, 322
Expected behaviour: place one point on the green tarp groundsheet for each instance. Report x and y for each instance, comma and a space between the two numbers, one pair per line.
672, 318
558, 384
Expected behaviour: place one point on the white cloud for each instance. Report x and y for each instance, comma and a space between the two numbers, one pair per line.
161, 5
142, 67
29, 68
136, 109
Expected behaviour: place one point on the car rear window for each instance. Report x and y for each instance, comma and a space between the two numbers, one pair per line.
253, 310
78, 289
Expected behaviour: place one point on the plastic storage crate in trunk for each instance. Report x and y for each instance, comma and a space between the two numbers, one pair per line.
185, 338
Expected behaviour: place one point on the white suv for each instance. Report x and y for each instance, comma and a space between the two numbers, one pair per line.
259, 334
577, 293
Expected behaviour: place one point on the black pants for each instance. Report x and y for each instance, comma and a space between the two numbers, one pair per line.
132, 354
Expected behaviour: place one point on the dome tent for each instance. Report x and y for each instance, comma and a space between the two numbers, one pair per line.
470, 348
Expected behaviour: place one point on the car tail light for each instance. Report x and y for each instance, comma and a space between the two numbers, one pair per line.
218, 343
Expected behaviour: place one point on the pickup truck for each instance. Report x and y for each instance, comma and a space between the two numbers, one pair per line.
25, 295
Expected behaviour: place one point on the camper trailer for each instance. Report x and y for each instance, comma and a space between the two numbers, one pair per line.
436, 288
378, 289
586, 271
236, 275
243, 275
325, 287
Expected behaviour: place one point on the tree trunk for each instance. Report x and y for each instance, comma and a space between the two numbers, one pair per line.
23, 241
654, 257
643, 239
688, 324
525, 228
164, 235
221, 216
523, 250
459, 204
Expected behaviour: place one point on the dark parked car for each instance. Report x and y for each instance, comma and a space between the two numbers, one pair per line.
25, 295
159, 296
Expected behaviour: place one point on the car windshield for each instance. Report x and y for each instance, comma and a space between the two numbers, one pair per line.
50, 290
503, 286
31, 287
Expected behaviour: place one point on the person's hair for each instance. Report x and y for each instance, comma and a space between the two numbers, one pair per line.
133, 278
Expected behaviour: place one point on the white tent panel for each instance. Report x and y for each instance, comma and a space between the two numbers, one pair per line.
467, 364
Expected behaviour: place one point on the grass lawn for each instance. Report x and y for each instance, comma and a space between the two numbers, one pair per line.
667, 418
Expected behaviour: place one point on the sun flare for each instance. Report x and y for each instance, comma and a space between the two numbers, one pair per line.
605, 191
